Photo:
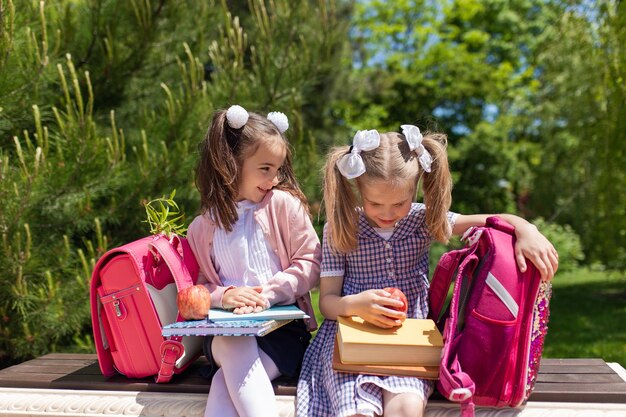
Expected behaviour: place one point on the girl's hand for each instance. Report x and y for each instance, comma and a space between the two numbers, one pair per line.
372, 306
533, 245
244, 300
248, 309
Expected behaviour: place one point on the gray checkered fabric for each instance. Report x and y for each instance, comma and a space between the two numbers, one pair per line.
402, 262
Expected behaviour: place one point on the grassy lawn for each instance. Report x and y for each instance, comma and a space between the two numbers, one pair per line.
587, 316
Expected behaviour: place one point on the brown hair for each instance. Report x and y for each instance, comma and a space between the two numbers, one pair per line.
394, 162
222, 152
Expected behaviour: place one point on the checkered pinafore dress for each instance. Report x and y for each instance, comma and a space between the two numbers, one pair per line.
402, 262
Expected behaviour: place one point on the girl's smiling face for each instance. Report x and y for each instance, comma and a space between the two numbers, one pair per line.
385, 204
260, 171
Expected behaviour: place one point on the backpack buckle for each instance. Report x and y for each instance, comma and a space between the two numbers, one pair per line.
460, 394
171, 350
472, 235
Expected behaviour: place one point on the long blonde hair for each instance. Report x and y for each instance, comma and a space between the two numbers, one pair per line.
392, 161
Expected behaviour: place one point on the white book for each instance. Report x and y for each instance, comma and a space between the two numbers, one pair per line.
290, 312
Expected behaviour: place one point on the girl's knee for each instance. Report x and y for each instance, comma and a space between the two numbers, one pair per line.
403, 405
229, 343
219, 345
224, 347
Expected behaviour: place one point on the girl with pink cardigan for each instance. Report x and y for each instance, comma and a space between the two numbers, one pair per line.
256, 247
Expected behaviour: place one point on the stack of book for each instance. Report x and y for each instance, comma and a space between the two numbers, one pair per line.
413, 349
226, 323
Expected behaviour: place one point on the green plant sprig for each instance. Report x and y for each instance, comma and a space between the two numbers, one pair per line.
165, 217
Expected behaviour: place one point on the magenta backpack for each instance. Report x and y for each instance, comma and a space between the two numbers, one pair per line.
495, 324
133, 294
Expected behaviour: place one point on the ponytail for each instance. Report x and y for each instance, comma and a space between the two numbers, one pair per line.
437, 185
216, 174
340, 204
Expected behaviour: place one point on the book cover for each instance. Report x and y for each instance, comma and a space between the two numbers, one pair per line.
290, 312
424, 372
226, 328
416, 342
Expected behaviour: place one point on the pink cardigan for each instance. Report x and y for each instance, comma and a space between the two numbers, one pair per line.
291, 236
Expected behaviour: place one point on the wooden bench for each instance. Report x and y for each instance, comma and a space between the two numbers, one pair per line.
71, 385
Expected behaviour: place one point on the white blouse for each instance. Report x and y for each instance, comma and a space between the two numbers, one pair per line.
243, 257
385, 233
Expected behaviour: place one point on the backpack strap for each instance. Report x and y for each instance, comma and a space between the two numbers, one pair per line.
500, 224
447, 268
458, 385
441, 281
168, 250
171, 350
105, 358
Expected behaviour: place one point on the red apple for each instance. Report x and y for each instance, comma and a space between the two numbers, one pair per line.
194, 302
397, 294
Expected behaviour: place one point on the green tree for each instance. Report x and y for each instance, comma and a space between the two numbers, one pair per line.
531, 94
463, 67
103, 105
581, 109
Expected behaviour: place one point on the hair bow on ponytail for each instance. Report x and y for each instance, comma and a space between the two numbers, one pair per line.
414, 138
236, 116
351, 164
279, 119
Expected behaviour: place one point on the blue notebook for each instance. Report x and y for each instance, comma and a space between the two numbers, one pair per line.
290, 312
225, 328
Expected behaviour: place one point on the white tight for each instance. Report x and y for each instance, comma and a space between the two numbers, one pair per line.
242, 385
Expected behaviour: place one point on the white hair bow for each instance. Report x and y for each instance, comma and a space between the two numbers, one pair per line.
279, 119
351, 164
236, 116
414, 138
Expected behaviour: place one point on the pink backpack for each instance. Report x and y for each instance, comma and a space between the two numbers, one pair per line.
133, 293
495, 323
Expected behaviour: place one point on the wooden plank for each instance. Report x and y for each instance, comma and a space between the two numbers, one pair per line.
70, 356
120, 383
573, 361
580, 378
84, 373
195, 385
33, 381
584, 387
591, 393
548, 366
573, 369
559, 380
52, 369
76, 363
180, 383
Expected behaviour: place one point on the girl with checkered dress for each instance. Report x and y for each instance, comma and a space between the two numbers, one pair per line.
377, 237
